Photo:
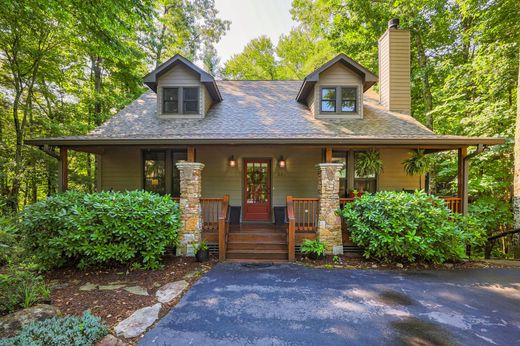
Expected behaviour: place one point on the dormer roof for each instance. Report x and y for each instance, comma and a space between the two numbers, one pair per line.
205, 78
369, 78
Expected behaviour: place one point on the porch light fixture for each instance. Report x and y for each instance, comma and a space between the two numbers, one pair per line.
281, 162
232, 162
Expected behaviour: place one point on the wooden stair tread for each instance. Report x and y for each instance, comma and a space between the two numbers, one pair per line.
257, 251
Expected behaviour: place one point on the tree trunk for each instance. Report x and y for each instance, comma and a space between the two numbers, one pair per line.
516, 177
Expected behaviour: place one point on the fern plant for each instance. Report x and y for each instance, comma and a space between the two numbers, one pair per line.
368, 163
418, 163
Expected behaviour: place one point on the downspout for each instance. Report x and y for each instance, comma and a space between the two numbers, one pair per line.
480, 149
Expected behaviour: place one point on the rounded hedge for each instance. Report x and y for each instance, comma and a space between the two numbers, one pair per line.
408, 227
87, 229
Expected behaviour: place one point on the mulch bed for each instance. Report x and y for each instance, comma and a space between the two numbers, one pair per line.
362, 263
114, 306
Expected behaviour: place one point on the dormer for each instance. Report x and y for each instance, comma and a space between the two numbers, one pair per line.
335, 90
184, 90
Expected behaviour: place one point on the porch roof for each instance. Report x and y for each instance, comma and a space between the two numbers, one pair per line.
260, 112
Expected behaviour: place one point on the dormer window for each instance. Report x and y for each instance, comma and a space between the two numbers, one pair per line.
338, 99
190, 100
180, 100
170, 100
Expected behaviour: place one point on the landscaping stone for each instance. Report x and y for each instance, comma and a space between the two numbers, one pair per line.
111, 340
399, 265
12, 323
138, 290
88, 287
171, 291
193, 274
138, 322
111, 287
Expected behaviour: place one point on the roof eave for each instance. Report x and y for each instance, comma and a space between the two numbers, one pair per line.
463, 141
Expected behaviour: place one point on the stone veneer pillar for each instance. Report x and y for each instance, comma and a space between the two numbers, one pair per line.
191, 211
329, 223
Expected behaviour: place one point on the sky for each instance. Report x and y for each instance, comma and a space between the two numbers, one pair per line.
250, 19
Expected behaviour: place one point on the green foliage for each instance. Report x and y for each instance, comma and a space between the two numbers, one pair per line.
368, 163
100, 228
492, 214
9, 249
313, 246
82, 330
202, 246
256, 61
21, 289
406, 227
417, 163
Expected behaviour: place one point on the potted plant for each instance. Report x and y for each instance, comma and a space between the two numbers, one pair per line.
202, 251
368, 163
417, 164
314, 249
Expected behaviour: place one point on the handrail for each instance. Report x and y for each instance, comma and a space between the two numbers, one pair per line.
223, 228
305, 214
291, 230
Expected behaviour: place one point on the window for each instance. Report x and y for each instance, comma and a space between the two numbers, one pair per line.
364, 183
349, 180
160, 172
155, 171
348, 99
177, 155
342, 157
170, 100
190, 100
339, 100
328, 99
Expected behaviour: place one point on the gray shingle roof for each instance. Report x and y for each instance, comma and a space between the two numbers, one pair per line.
255, 110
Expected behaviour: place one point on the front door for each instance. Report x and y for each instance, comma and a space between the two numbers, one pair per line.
257, 190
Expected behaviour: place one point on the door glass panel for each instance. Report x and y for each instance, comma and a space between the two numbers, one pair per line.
257, 182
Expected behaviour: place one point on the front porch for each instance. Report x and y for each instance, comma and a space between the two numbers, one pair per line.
251, 182
270, 241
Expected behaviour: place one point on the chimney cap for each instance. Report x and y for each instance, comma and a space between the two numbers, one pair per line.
393, 23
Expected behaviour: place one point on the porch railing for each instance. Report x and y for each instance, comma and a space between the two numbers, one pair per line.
223, 228
291, 230
453, 203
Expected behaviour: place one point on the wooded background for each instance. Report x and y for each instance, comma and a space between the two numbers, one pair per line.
66, 66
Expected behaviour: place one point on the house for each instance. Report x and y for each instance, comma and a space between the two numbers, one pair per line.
234, 152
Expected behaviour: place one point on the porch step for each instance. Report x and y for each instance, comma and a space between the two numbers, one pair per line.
257, 237
264, 245
246, 255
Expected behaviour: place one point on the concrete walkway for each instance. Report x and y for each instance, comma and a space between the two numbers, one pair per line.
295, 305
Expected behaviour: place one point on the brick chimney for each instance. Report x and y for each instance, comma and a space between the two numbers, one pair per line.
394, 69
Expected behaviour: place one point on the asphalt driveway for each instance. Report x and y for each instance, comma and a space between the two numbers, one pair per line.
295, 305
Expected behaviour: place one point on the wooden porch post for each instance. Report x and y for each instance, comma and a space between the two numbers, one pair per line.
63, 170
463, 170
191, 154
328, 154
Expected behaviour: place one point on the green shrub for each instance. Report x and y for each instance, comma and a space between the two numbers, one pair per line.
21, 289
312, 246
69, 330
100, 228
408, 227
9, 249
493, 215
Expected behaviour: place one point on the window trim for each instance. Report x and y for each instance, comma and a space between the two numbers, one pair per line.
163, 99
339, 99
